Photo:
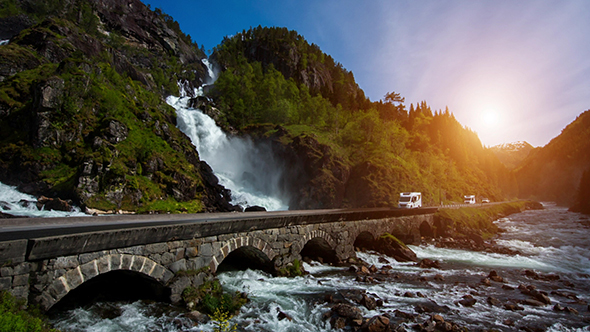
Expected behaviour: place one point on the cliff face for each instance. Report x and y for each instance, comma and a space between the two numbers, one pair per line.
554, 172
82, 114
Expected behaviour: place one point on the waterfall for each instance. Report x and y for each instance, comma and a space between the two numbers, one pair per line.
249, 170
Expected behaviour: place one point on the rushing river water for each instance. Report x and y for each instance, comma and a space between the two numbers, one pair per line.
551, 242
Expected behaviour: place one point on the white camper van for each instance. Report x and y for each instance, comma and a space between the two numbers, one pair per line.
469, 199
410, 200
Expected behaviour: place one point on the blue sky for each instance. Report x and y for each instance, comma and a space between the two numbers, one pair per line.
510, 70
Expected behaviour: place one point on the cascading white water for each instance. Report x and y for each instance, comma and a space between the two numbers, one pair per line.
16, 203
250, 171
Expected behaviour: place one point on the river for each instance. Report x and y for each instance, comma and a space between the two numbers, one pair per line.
552, 243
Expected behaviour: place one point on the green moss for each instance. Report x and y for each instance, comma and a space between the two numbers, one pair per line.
14, 319
210, 297
394, 239
170, 205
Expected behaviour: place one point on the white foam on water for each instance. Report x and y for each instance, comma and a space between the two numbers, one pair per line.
16, 203
473, 258
248, 170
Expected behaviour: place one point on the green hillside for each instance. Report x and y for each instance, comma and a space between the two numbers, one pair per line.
273, 76
83, 117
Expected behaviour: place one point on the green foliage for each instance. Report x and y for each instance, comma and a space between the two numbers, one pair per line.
211, 298
221, 321
14, 319
396, 150
481, 218
294, 269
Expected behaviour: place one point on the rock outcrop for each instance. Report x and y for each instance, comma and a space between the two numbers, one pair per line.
82, 112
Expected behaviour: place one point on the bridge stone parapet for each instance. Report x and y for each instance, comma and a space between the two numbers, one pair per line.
183, 255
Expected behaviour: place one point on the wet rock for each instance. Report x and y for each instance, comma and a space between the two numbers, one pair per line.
540, 296
197, 317
429, 264
571, 310
347, 311
467, 301
512, 306
558, 307
533, 303
439, 277
55, 204
281, 315
495, 277
506, 287
486, 282
376, 324
368, 302
494, 301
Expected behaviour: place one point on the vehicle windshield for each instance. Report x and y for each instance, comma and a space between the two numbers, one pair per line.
404, 199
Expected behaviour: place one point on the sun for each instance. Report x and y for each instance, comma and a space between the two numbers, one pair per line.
490, 118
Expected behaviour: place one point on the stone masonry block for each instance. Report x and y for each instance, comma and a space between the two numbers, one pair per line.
178, 266
5, 283
191, 252
166, 276
167, 258
57, 289
6, 271
156, 248
206, 249
148, 266
103, 264
89, 270
135, 250
157, 272
74, 278
66, 263
137, 264
126, 262
116, 262
20, 280
85, 258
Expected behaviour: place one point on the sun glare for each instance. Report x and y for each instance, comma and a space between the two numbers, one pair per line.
490, 118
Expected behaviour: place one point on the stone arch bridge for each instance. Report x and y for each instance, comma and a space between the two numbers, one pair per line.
45, 260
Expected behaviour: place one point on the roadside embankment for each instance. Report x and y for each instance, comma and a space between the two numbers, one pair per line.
469, 227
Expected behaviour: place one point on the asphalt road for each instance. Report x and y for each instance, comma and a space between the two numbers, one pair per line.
31, 228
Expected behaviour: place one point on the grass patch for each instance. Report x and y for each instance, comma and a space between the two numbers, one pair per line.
14, 319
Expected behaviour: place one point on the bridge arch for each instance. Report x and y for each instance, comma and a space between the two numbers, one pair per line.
318, 245
252, 246
77, 276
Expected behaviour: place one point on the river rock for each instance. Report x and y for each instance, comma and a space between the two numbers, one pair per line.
376, 324
467, 301
494, 301
533, 302
55, 204
429, 264
368, 302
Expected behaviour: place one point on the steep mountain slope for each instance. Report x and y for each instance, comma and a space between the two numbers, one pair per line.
554, 171
82, 114
343, 149
512, 154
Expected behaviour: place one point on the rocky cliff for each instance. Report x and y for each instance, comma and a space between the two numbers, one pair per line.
82, 114
554, 172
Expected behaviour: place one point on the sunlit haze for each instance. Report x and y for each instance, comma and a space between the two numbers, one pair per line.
510, 70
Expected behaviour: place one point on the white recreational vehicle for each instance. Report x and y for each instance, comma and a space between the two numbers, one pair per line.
410, 200
469, 199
